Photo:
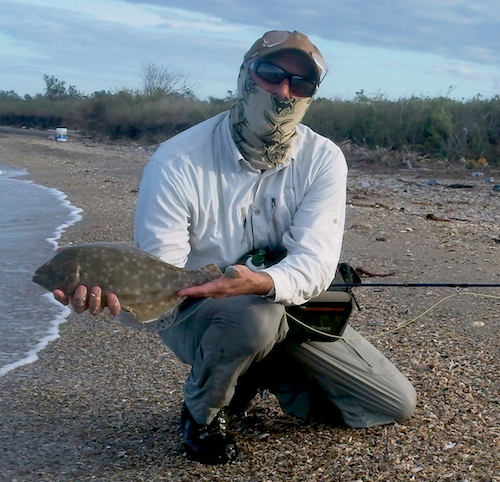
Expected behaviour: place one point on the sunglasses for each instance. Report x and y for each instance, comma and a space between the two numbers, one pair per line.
299, 85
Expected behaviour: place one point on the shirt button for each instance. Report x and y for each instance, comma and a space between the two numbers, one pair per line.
257, 211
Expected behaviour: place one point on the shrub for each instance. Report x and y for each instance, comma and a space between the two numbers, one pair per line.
437, 128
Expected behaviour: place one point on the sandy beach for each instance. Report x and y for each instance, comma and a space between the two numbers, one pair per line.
103, 401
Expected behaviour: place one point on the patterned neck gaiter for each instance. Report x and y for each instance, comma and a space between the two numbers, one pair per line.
263, 126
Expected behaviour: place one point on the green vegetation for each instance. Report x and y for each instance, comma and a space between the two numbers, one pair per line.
433, 128
437, 128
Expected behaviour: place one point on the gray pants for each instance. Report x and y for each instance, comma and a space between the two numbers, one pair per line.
225, 337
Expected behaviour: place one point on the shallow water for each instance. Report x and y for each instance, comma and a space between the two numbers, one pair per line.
32, 218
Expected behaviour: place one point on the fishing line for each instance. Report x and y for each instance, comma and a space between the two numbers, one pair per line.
199, 305
176, 321
339, 337
399, 327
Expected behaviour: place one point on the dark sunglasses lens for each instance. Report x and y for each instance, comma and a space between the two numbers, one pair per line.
302, 87
275, 75
270, 73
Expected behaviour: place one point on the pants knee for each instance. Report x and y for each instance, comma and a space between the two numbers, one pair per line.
407, 406
262, 325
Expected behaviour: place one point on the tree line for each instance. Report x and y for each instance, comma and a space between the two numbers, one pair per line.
165, 103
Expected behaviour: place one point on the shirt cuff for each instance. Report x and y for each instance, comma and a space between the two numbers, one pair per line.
270, 294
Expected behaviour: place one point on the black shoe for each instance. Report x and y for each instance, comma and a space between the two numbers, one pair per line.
252, 382
209, 444
241, 404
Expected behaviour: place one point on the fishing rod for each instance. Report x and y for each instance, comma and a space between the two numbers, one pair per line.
348, 286
421, 285
458, 286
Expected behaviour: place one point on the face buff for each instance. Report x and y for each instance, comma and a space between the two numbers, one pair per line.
263, 126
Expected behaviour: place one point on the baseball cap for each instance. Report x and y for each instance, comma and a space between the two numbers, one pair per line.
278, 40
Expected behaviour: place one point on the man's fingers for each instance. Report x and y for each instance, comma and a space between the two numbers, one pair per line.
61, 297
92, 300
95, 300
80, 302
114, 304
232, 272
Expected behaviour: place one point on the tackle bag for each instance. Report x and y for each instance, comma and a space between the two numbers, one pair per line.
323, 318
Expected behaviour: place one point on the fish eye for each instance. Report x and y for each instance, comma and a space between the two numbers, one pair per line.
62, 276
71, 273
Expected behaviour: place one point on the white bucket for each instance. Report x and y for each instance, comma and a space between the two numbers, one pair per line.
61, 134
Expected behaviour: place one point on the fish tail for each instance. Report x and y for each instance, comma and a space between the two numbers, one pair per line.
211, 271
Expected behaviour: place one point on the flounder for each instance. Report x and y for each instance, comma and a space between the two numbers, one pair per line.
145, 285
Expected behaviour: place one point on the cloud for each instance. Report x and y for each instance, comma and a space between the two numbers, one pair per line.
457, 29
73, 42
101, 44
465, 71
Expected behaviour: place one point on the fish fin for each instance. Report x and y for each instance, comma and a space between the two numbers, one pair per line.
211, 271
128, 318
155, 324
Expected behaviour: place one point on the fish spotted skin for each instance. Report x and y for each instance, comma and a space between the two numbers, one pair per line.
145, 285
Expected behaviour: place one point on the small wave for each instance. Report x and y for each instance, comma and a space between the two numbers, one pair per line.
51, 330
74, 217
52, 334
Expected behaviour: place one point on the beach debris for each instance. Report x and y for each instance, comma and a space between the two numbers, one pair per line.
433, 217
475, 163
477, 174
362, 271
145, 285
383, 206
362, 227
461, 186
374, 205
496, 187
406, 163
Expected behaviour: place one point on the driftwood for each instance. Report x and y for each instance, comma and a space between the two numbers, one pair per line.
362, 271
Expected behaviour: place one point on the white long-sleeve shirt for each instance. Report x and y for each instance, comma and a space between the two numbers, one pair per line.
200, 202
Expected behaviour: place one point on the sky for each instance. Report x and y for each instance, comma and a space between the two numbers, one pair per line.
395, 49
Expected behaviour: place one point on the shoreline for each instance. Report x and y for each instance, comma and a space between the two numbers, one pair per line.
32, 356
103, 401
23, 350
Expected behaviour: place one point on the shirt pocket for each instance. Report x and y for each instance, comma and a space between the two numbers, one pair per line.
280, 209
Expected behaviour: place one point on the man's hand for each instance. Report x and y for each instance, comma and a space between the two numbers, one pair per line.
242, 281
92, 301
